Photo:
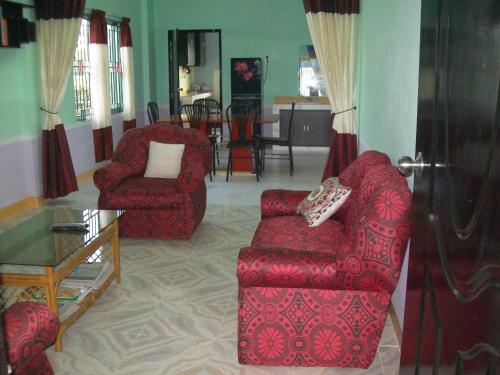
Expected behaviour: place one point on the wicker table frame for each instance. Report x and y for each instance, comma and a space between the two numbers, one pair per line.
52, 276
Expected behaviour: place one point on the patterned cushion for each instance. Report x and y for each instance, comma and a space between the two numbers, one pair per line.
30, 328
323, 201
143, 192
293, 232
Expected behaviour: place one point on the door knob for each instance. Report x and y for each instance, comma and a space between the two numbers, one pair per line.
407, 165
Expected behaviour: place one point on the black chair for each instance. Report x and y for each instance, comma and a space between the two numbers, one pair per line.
286, 141
241, 116
215, 128
197, 116
153, 113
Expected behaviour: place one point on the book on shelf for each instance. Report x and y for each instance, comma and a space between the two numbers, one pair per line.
92, 275
73, 294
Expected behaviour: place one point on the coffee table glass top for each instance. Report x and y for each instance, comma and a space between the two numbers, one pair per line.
32, 243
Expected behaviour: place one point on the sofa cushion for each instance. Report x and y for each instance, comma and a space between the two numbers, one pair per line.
164, 160
144, 192
323, 201
293, 232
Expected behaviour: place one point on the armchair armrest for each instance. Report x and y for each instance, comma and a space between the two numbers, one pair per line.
278, 202
28, 327
190, 177
285, 268
110, 176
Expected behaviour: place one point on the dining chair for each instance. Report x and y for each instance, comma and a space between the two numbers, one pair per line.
241, 116
285, 141
153, 113
197, 115
215, 128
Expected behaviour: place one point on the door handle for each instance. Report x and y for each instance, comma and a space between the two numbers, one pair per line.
406, 165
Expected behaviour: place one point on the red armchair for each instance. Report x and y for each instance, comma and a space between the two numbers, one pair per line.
156, 207
319, 296
29, 328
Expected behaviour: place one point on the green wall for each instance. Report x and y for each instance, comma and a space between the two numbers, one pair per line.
20, 77
249, 29
388, 81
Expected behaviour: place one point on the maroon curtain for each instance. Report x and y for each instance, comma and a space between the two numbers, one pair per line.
343, 150
126, 45
103, 137
332, 6
58, 173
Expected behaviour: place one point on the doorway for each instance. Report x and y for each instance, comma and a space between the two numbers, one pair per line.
195, 66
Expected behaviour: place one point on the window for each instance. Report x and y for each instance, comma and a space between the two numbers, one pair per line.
310, 77
81, 71
115, 68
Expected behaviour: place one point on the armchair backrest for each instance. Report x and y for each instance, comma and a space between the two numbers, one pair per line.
380, 231
352, 176
133, 148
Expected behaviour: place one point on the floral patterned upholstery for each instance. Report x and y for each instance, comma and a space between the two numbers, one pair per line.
319, 296
156, 207
29, 329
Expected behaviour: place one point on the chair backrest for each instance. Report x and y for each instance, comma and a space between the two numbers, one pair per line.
379, 233
290, 123
153, 113
133, 148
196, 115
213, 105
241, 116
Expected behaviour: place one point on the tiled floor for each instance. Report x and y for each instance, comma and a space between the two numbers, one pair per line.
175, 310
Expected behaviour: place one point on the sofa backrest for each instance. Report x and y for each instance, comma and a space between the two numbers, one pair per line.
380, 231
352, 177
133, 148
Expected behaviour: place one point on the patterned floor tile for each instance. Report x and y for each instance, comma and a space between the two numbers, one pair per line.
183, 320
389, 357
148, 288
212, 292
90, 352
159, 355
116, 315
389, 334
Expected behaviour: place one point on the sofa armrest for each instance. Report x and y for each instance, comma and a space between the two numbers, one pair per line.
278, 202
110, 176
190, 178
285, 268
28, 327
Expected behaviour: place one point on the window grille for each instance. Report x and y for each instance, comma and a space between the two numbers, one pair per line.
81, 73
115, 68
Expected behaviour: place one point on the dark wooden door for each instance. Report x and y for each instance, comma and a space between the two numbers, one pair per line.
174, 41
452, 316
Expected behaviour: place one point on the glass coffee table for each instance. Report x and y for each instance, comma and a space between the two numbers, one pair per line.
35, 261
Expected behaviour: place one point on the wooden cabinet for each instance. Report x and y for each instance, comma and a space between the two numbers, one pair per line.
191, 48
310, 128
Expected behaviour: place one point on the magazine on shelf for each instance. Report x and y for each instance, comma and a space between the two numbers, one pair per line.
92, 275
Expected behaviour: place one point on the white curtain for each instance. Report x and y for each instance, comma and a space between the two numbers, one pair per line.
99, 85
127, 59
57, 42
334, 39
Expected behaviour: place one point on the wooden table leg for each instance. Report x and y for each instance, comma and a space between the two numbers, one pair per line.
51, 289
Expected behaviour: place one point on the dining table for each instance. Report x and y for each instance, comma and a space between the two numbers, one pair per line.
242, 157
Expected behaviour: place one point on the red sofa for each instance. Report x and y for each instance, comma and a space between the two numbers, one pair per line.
156, 207
319, 296
29, 329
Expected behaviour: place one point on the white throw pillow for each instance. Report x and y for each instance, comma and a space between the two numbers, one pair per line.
323, 201
164, 160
